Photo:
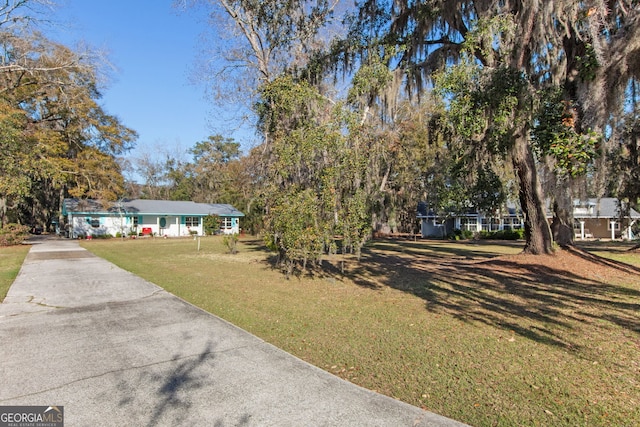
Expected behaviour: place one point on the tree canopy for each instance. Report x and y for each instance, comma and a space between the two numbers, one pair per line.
499, 67
472, 99
365, 111
57, 141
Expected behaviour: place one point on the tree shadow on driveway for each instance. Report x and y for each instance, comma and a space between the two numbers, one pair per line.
170, 392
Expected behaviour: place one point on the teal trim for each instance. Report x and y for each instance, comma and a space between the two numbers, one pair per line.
140, 219
183, 220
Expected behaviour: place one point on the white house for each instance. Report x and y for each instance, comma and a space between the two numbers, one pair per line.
86, 217
593, 218
433, 225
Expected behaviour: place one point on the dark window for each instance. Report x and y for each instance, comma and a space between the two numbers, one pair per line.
192, 221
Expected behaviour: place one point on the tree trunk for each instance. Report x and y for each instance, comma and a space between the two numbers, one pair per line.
3, 211
562, 224
61, 218
537, 231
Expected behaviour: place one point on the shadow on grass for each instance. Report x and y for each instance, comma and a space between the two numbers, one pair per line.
447, 249
606, 262
253, 244
531, 296
273, 261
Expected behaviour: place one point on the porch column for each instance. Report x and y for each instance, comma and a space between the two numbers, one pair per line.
581, 230
613, 230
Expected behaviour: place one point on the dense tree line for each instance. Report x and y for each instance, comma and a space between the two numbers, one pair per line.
217, 172
457, 103
364, 112
55, 139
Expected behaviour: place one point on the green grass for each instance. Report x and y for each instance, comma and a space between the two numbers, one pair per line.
440, 325
11, 259
617, 251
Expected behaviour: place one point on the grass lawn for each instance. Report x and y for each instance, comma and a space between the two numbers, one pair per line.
618, 251
11, 259
470, 331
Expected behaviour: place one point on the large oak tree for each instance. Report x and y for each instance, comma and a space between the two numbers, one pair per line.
584, 49
58, 140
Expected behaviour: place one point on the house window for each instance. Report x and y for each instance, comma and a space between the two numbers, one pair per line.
134, 220
94, 222
192, 221
616, 226
469, 224
491, 224
512, 223
225, 223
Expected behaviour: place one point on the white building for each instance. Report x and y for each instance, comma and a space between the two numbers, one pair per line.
593, 218
86, 217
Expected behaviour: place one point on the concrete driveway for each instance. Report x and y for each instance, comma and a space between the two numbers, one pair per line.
116, 350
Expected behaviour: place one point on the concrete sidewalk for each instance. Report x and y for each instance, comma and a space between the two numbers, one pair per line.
115, 350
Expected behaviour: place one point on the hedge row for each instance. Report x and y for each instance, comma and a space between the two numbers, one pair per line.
488, 235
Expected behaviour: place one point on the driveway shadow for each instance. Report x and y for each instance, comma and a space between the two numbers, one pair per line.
165, 392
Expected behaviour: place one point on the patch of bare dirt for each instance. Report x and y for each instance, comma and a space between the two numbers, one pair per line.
574, 261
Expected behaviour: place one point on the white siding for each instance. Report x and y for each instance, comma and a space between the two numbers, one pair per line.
174, 226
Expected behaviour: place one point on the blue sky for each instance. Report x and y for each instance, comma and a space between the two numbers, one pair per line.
154, 48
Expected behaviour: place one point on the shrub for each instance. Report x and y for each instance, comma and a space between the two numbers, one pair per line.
211, 224
231, 242
13, 234
458, 234
502, 235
